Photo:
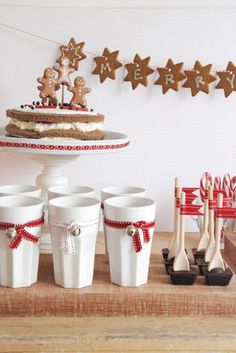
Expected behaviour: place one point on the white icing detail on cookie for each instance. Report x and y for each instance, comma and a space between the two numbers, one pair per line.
54, 111
40, 127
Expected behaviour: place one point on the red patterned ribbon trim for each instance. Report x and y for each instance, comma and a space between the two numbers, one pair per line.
21, 232
227, 202
215, 193
190, 210
187, 190
190, 198
226, 212
140, 225
40, 146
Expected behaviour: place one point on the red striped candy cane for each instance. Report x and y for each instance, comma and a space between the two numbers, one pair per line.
226, 185
206, 176
217, 183
233, 187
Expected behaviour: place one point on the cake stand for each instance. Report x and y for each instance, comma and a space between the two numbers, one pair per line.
53, 154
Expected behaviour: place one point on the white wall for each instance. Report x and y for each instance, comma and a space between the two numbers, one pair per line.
171, 135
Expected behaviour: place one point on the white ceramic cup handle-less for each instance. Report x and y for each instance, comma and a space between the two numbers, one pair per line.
19, 267
115, 191
26, 190
74, 269
68, 190
128, 267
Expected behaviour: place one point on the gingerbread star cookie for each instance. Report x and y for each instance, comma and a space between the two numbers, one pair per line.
138, 71
227, 79
170, 76
74, 52
199, 78
107, 64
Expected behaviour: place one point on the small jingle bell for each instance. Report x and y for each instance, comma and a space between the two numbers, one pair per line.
11, 233
130, 231
75, 231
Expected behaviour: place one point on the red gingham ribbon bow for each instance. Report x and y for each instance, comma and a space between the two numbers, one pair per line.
21, 232
140, 225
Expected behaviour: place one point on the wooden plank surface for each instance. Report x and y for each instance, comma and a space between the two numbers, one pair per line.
119, 335
157, 298
130, 334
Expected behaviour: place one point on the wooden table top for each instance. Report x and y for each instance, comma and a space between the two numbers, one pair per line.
119, 334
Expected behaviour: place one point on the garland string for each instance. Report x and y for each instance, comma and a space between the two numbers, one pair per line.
124, 61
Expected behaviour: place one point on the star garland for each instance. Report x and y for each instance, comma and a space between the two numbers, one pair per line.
197, 80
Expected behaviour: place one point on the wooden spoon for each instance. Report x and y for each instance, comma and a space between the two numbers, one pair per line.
181, 262
173, 250
217, 260
204, 237
177, 184
211, 244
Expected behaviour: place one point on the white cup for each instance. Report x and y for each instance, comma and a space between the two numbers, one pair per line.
28, 190
74, 244
19, 267
114, 191
128, 267
68, 190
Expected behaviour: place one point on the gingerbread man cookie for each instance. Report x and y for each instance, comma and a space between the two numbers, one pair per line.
64, 70
79, 90
49, 84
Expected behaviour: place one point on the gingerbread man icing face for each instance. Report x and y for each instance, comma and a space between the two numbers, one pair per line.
79, 90
50, 73
79, 81
64, 70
